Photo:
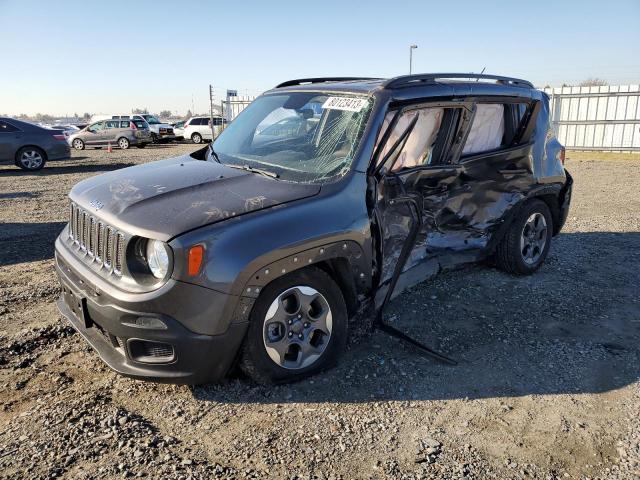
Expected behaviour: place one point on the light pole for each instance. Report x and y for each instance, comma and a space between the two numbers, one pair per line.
411, 47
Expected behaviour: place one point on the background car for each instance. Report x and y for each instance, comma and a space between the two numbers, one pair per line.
121, 133
178, 129
197, 129
30, 146
159, 131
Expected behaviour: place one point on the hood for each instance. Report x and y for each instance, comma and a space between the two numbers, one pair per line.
166, 198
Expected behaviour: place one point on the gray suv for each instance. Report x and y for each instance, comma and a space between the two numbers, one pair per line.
258, 249
121, 133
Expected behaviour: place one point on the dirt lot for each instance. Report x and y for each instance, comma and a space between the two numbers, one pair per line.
547, 385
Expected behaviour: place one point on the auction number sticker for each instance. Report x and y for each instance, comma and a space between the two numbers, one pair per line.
345, 103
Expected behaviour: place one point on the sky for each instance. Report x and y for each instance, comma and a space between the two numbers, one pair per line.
64, 57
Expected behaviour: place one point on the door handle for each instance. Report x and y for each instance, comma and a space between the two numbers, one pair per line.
513, 171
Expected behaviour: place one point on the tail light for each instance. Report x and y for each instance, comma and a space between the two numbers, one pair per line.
59, 136
562, 155
133, 126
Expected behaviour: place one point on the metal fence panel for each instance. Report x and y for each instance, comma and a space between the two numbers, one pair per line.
597, 118
232, 106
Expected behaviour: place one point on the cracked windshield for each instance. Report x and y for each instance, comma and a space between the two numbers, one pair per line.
300, 137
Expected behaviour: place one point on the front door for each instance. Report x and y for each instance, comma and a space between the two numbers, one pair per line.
9, 139
94, 134
416, 170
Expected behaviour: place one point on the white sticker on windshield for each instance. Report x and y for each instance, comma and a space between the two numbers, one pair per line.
345, 103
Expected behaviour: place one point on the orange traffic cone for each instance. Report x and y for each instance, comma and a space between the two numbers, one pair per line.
109, 149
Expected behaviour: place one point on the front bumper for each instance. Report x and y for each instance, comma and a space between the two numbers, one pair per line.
174, 354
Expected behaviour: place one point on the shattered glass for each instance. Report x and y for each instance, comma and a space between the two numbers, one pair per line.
302, 137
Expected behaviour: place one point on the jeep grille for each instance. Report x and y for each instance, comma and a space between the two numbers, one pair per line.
96, 241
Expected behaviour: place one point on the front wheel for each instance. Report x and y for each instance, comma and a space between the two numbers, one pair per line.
196, 138
526, 244
78, 144
141, 145
298, 327
30, 158
123, 143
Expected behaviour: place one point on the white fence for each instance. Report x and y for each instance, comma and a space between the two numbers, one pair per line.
232, 106
603, 118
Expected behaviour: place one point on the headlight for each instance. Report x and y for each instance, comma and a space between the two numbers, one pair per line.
157, 258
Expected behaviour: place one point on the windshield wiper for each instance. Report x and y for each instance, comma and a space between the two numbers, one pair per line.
259, 171
214, 154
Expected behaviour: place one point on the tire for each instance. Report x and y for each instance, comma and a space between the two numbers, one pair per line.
78, 144
154, 138
141, 145
124, 143
303, 341
196, 138
31, 159
526, 244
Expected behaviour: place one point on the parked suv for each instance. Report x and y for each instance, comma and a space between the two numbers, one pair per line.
121, 133
262, 250
29, 146
198, 129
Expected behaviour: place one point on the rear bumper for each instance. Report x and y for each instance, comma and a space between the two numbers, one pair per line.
61, 151
565, 201
164, 350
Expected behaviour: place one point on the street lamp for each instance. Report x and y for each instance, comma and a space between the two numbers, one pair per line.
411, 47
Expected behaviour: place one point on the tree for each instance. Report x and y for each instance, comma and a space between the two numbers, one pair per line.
189, 114
86, 116
593, 82
140, 111
165, 114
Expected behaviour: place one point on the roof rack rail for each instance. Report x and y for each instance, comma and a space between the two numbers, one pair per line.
301, 81
409, 80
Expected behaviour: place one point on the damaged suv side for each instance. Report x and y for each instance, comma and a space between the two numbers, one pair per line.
324, 196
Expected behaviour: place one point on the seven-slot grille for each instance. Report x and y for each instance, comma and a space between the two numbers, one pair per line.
99, 242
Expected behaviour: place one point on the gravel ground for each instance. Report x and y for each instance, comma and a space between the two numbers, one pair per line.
547, 385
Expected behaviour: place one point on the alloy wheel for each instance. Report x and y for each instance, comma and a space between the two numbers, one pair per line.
297, 327
533, 238
31, 159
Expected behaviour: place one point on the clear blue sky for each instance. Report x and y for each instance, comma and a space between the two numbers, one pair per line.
85, 56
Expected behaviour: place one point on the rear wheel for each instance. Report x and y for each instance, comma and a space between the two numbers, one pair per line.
30, 158
78, 144
141, 145
526, 244
123, 143
298, 327
196, 138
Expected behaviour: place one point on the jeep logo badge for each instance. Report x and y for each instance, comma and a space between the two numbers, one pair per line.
97, 204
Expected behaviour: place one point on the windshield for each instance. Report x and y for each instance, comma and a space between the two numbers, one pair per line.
301, 137
151, 120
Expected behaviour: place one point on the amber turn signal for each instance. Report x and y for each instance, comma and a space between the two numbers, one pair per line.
196, 254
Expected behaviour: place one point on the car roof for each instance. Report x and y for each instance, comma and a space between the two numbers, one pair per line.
407, 86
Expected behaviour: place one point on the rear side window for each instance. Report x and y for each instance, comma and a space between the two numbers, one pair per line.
487, 129
140, 123
125, 124
113, 124
7, 128
495, 126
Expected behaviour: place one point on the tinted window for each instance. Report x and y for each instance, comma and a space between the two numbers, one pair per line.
140, 124
6, 128
112, 124
124, 124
